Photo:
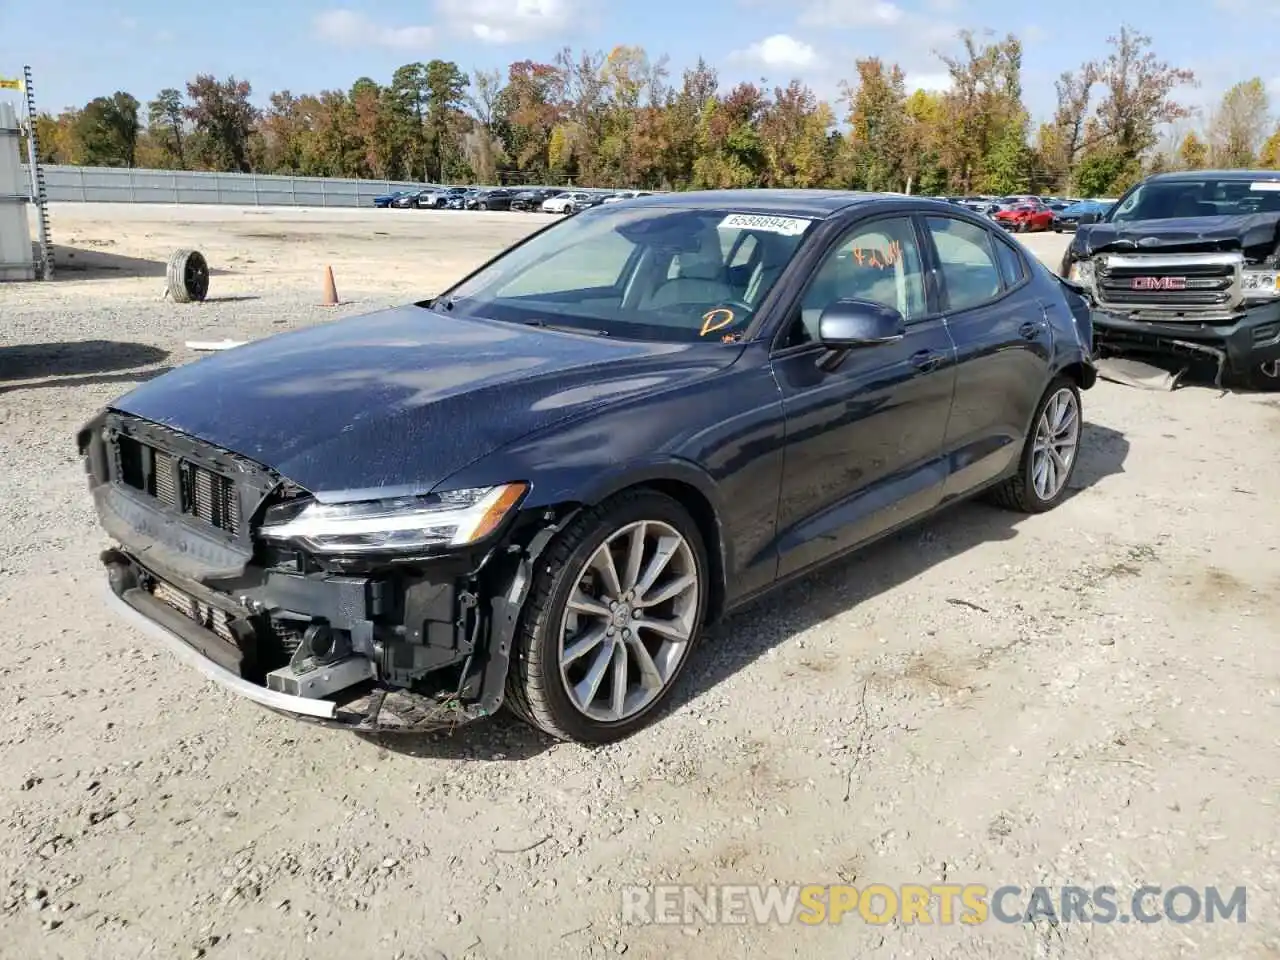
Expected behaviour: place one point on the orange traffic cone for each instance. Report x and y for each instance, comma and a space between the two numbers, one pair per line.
330, 289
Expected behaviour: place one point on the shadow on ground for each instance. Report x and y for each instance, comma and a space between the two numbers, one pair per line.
85, 360
753, 631
98, 263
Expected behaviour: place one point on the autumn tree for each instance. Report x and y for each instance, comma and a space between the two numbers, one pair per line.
224, 119
1138, 96
1193, 153
794, 131
984, 100
730, 151
1269, 154
107, 129
1239, 125
1061, 144
165, 125
877, 144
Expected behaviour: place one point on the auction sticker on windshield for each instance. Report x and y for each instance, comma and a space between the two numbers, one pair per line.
787, 226
1265, 185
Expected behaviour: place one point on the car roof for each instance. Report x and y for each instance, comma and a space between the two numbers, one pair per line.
776, 202
1230, 175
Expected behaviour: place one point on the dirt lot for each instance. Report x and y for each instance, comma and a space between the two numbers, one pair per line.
1087, 697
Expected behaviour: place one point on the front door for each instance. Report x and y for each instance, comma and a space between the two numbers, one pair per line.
863, 450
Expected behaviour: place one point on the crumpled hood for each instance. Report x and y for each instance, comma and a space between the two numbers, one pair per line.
1256, 233
404, 397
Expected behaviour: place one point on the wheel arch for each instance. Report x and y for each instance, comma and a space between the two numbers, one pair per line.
690, 486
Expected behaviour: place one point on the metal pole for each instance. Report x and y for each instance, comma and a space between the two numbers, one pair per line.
37, 180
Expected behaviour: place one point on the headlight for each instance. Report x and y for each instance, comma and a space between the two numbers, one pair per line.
1260, 284
452, 519
1081, 272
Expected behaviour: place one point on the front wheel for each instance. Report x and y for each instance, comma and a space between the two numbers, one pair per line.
611, 619
1049, 454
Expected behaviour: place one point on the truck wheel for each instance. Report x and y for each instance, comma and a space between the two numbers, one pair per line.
1049, 454
610, 620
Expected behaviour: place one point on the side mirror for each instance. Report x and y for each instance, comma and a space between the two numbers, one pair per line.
1087, 218
849, 324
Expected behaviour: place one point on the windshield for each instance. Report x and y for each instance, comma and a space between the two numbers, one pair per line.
648, 272
1208, 197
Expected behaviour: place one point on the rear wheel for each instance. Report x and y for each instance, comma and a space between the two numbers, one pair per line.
1049, 454
611, 619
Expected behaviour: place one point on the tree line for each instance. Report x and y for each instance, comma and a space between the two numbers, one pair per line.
622, 119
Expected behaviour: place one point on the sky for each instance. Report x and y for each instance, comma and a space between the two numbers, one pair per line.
79, 49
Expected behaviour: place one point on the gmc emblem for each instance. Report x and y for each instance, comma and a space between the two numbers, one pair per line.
1159, 283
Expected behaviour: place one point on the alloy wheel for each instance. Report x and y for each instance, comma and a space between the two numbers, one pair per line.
628, 623
1056, 442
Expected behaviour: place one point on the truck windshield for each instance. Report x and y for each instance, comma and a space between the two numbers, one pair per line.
1207, 197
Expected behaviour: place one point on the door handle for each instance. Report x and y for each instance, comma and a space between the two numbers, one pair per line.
1030, 330
925, 359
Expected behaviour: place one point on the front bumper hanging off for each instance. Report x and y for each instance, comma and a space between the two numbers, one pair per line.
1237, 347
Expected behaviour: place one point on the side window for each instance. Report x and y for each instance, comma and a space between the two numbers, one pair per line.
1012, 266
877, 261
967, 262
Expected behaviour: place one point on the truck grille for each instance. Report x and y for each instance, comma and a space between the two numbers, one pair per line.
1187, 283
179, 484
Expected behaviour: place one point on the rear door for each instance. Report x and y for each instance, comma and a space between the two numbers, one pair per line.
1003, 347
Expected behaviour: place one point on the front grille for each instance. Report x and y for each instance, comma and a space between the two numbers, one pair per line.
211, 618
179, 484
1182, 285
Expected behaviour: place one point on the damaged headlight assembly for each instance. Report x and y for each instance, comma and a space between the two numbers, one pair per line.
451, 519
1260, 283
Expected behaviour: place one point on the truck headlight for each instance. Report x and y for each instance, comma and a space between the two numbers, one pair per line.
1260, 284
1081, 272
455, 518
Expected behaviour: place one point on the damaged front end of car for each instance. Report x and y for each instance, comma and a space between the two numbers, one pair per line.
375, 615
1190, 289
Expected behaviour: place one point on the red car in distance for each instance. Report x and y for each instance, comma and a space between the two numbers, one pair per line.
1025, 217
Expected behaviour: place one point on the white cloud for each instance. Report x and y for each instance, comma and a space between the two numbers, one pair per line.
348, 28
508, 21
779, 51
1034, 33
932, 82
846, 14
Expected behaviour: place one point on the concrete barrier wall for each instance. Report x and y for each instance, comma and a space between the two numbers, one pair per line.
122, 185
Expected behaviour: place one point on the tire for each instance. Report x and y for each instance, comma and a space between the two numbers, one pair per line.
482, 205
537, 687
187, 276
1020, 492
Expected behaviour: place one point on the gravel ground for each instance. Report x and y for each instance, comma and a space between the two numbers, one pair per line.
1085, 697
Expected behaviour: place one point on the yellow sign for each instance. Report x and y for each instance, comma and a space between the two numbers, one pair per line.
10, 83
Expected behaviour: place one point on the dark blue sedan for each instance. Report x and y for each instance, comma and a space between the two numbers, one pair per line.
1069, 218
538, 488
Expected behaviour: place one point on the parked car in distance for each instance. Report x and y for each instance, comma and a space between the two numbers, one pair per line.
627, 195
496, 198
568, 202
409, 199
385, 200
463, 199
1024, 216
1069, 218
531, 201
537, 488
439, 198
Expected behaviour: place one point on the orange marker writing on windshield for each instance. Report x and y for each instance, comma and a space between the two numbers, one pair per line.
716, 319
